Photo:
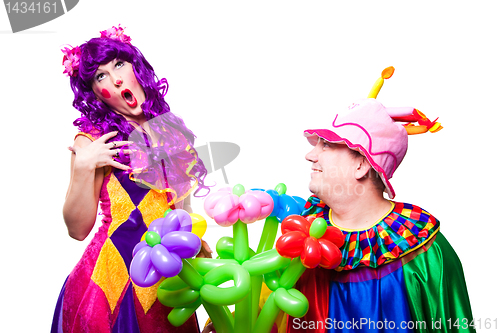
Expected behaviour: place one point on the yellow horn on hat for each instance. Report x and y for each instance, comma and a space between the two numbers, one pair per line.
386, 73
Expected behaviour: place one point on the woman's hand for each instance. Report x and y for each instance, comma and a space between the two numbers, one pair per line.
99, 154
88, 161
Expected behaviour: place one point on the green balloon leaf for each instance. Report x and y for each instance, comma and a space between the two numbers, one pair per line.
318, 228
238, 190
280, 188
292, 302
153, 238
166, 212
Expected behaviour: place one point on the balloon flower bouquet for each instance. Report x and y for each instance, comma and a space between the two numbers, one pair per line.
171, 242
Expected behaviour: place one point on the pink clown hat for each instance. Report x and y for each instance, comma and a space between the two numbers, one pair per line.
374, 130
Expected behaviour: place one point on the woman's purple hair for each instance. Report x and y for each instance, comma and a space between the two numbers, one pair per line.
97, 118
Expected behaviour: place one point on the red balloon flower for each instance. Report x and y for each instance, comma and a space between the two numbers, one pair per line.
312, 240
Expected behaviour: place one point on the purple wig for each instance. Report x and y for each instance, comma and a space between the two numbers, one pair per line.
97, 118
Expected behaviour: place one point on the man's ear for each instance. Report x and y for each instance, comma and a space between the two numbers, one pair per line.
362, 168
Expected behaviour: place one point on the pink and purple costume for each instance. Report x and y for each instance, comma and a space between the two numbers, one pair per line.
98, 295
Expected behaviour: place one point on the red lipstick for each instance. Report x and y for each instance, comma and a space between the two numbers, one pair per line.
129, 98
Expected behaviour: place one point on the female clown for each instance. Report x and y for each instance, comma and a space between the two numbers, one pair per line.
136, 158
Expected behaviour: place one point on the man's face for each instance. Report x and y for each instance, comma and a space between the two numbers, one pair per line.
333, 169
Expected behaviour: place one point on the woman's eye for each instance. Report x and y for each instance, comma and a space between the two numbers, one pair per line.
100, 77
119, 64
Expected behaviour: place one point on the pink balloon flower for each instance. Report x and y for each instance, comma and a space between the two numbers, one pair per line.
227, 208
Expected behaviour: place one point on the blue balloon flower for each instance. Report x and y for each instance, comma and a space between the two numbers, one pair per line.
284, 204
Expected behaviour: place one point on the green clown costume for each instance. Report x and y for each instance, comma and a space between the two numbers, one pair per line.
400, 274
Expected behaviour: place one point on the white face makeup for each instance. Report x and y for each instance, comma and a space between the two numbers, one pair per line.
116, 85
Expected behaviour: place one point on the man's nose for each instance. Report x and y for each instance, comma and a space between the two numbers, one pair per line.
312, 156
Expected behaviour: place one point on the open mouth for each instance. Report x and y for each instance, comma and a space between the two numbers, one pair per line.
129, 98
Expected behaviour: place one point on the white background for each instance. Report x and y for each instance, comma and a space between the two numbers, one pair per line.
258, 74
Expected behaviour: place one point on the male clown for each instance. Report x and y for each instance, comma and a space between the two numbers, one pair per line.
398, 272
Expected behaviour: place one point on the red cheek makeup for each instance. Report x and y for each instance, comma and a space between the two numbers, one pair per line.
105, 93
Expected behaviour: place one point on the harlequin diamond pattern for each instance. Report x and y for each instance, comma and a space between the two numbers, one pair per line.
153, 206
111, 272
121, 205
129, 232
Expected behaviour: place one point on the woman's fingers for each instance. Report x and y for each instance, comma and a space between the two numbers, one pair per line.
100, 153
107, 136
113, 144
117, 144
72, 149
114, 152
118, 165
117, 152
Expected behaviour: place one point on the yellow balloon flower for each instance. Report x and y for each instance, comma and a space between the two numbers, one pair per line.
199, 225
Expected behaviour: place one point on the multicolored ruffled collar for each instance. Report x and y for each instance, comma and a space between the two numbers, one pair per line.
404, 229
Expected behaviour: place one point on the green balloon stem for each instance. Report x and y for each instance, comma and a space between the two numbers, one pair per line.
272, 280
267, 316
190, 275
238, 190
205, 265
268, 234
280, 188
292, 274
179, 315
240, 236
242, 315
221, 317
152, 238
256, 282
